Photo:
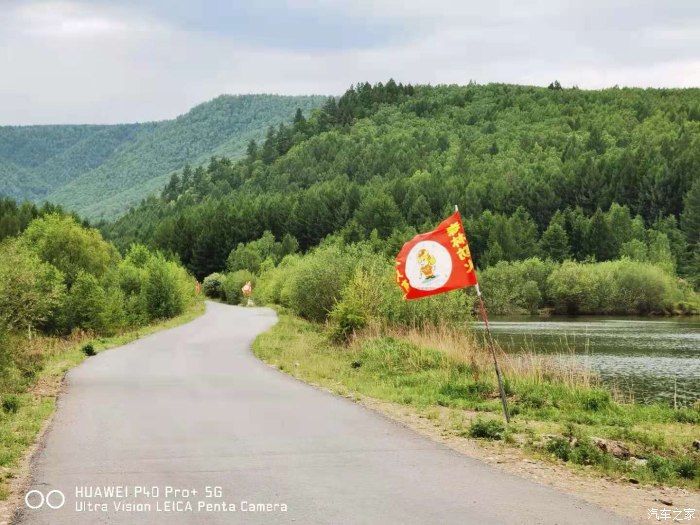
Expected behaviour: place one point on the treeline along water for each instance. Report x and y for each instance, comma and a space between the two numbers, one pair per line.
649, 359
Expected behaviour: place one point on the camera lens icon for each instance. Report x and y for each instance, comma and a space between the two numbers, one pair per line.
35, 499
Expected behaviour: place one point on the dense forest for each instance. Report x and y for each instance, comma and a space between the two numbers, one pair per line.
555, 173
99, 171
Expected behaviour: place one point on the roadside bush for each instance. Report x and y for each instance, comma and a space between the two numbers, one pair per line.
317, 280
271, 284
165, 291
88, 350
85, 307
114, 314
487, 429
371, 296
62, 242
31, 291
233, 284
10, 403
130, 278
582, 451
213, 286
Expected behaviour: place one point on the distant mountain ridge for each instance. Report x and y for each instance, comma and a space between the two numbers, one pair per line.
102, 170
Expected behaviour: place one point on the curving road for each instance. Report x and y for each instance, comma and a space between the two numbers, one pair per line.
191, 408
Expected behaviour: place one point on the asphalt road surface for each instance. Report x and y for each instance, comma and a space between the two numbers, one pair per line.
192, 409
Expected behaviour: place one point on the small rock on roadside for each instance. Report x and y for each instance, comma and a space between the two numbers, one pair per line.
614, 448
637, 462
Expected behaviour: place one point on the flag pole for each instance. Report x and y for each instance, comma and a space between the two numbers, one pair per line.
492, 348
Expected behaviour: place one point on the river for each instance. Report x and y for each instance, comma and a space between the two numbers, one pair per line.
647, 359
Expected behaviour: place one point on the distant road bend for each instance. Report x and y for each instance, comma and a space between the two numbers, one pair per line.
192, 409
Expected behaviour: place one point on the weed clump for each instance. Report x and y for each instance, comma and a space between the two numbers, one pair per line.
88, 350
10, 403
487, 429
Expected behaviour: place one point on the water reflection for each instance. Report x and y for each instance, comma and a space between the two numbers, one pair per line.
651, 360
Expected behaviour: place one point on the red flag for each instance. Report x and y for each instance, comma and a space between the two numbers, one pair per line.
436, 262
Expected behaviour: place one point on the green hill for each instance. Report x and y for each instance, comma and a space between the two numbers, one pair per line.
536, 171
100, 171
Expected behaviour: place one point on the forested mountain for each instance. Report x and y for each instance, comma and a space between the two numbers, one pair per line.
535, 171
99, 171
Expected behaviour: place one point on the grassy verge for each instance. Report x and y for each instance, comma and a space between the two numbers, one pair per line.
559, 413
24, 415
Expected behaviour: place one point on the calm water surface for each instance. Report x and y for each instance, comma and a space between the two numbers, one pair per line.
647, 358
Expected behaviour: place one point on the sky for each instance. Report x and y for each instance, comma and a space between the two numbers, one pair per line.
111, 61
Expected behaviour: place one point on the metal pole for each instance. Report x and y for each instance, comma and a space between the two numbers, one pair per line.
492, 347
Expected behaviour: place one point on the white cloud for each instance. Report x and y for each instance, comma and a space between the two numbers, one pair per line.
94, 62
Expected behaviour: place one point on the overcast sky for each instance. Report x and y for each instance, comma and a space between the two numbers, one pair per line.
108, 61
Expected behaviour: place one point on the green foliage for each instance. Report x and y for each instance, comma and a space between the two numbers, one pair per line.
68, 246
389, 158
315, 283
233, 285
88, 349
85, 307
213, 286
517, 287
31, 291
487, 429
102, 170
251, 256
166, 288
622, 286
10, 403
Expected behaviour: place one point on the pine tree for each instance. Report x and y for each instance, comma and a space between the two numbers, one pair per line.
252, 149
554, 243
690, 219
599, 241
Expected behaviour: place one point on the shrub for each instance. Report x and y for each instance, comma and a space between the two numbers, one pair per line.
85, 307
114, 316
31, 291
130, 278
271, 283
516, 286
596, 400
582, 451
462, 389
70, 247
487, 429
213, 286
164, 293
371, 295
688, 468
622, 287
233, 284
346, 319
587, 453
88, 349
316, 282
662, 468
138, 256
10, 403
560, 447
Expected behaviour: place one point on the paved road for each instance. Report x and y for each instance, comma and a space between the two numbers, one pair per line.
191, 407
